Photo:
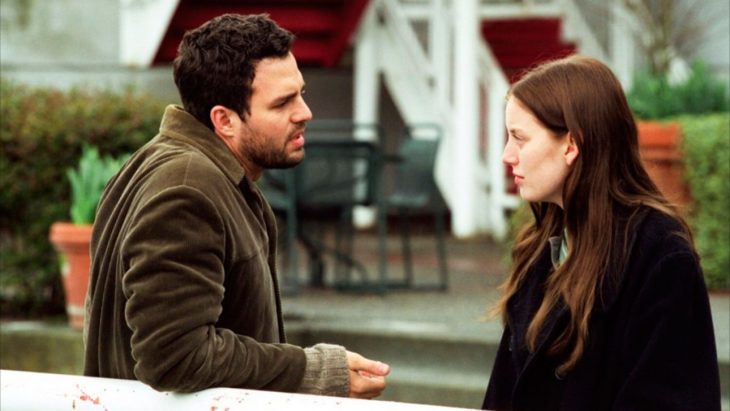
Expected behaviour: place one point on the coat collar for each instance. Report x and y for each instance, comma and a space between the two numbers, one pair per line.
180, 125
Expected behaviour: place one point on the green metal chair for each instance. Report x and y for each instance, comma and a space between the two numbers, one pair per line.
415, 190
335, 177
337, 174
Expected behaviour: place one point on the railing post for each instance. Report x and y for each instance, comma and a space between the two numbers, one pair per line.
622, 44
439, 40
366, 80
142, 25
495, 145
366, 93
465, 124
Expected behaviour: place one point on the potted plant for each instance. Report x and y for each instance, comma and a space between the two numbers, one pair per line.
72, 239
667, 33
659, 146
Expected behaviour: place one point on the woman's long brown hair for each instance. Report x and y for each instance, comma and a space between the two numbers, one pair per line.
582, 96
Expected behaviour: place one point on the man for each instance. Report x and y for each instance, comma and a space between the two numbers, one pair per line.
183, 293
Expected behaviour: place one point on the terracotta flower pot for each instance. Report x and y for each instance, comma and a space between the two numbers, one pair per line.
72, 241
660, 149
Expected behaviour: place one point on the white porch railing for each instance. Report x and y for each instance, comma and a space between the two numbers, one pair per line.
32, 391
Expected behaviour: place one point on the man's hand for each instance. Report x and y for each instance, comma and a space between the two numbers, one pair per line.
367, 377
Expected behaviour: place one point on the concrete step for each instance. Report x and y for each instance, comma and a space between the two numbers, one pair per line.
435, 386
429, 365
41, 347
408, 343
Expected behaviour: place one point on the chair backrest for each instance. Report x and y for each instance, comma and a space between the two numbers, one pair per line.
325, 177
337, 174
277, 186
416, 162
343, 130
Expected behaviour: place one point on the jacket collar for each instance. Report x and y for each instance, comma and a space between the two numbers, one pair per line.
180, 125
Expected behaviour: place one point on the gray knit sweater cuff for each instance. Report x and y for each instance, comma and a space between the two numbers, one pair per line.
326, 372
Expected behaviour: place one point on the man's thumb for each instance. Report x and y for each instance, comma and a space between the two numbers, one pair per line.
362, 364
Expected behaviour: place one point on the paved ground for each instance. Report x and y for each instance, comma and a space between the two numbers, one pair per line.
476, 269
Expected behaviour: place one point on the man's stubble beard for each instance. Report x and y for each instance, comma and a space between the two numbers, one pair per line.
274, 159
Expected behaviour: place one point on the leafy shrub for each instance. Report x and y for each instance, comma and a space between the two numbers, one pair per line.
654, 97
706, 145
42, 132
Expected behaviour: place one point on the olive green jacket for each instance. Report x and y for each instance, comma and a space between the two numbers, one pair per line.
183, 293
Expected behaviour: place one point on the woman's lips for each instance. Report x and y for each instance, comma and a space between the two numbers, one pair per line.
518, 180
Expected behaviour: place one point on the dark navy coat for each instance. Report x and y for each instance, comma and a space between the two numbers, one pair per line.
651, 341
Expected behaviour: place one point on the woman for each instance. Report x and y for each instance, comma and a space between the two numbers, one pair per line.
606, 307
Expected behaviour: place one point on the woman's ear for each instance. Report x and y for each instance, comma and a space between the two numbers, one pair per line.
571, 150
222, 120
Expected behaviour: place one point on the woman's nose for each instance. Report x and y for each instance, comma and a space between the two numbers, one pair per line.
509, 155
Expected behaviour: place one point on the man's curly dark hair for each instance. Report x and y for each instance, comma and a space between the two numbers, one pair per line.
216, 62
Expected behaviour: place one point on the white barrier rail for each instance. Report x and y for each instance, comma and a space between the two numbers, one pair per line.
32, 391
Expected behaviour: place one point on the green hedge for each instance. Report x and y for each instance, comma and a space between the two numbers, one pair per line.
42, 132
706, 145
653, 96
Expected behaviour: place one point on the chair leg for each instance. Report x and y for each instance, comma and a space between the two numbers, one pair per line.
343, 248
316, 264
292, 265
406, 245
382, 249
441, 248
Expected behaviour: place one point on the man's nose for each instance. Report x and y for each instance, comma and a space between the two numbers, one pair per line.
303, 113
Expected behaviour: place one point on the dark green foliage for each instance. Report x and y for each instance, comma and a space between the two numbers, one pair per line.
706, 144
653, 97
42, 132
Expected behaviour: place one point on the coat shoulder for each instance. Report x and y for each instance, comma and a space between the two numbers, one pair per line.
169, 163
659, 235
663, 257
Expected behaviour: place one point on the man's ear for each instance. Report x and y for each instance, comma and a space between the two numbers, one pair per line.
571, 150
222, 119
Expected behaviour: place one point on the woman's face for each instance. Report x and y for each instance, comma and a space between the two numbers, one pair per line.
540, 160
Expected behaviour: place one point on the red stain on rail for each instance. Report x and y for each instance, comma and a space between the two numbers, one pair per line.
88, 398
